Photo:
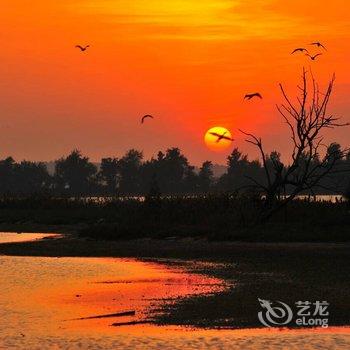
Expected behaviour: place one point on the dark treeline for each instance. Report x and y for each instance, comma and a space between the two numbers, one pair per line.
169, 173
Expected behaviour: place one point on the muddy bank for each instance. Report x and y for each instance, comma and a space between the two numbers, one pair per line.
287, 272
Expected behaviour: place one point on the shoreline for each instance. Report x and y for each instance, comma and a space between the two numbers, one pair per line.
275, 271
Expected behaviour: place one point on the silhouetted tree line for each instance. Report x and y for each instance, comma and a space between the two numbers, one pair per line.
169, 173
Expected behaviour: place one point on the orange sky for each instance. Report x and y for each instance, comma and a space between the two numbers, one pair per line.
187, 62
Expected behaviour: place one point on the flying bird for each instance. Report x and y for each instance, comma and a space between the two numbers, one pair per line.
299, 49
221, 136
82, 48
250, 96
318, 44
145, 117
313, 57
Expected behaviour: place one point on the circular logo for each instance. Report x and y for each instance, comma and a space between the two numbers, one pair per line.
275, 313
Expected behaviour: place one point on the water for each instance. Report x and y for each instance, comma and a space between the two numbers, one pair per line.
317, 198
9, 237
41, 298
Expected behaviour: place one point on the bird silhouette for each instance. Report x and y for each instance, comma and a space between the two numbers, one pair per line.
221, 136
299, 49
318, 44
313, 57
82, 48
250, 96
145, 117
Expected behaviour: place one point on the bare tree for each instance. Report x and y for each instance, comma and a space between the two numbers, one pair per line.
307, 119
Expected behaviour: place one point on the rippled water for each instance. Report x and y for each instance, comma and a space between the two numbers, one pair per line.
41, 298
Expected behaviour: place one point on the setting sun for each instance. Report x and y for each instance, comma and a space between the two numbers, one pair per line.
218, 138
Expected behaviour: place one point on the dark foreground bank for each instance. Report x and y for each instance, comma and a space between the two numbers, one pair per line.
285, 272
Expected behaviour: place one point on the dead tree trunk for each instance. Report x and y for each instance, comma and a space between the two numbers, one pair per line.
307, 119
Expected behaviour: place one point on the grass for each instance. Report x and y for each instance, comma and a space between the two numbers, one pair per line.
213, 217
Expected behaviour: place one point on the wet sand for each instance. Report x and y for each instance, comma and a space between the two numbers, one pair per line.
185, 340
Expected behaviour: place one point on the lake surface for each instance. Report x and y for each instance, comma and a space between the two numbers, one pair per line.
42, 301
